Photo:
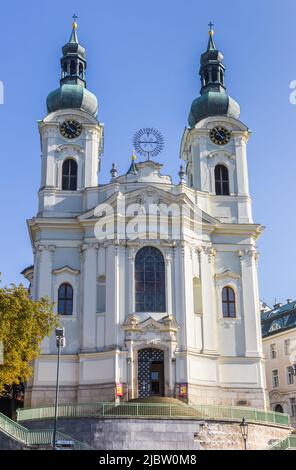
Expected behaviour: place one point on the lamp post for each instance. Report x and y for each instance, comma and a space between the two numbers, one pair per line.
61, 343
244, 430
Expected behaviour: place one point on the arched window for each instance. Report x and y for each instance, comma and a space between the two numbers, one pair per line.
278, 408
69, 175
214, 75
221, 180
228, 302
65, 299
150, 280
73, 70
101, 294
80, 70
65, 69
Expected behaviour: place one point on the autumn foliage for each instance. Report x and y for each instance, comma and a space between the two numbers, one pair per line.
24, 323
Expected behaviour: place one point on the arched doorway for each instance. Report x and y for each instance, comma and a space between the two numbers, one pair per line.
150, 372
278, 408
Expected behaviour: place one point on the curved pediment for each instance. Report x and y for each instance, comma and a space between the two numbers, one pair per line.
66, 269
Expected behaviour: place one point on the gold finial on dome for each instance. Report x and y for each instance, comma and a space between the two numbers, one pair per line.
211, 31
133, 157
74, 24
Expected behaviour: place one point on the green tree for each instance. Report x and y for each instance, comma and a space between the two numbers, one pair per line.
23, 325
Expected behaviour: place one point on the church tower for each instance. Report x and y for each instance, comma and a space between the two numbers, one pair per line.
71, 139
214, 144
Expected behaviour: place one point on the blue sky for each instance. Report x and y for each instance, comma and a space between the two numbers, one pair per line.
143, 60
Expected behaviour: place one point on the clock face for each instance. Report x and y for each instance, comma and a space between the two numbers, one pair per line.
70, 129
220, 135
148, 142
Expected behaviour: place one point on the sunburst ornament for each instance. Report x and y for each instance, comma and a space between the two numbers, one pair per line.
148, 142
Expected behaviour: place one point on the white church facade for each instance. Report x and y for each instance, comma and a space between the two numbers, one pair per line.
155, 283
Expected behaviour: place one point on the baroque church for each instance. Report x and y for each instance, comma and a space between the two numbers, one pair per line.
171, 313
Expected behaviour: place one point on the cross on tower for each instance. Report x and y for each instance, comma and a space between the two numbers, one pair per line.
211, 25
75, 17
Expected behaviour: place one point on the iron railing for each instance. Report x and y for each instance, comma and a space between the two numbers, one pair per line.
155, 410
30, 437
285, 444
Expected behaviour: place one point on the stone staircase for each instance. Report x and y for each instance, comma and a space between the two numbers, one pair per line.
14, 436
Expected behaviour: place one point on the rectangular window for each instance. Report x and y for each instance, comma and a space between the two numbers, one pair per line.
293, 406
275, 378
287, 347
290, 376
273, 351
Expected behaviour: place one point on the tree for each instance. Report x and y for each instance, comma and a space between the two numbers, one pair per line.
24, 323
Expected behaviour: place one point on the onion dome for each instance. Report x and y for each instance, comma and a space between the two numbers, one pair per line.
72, 92
213, 99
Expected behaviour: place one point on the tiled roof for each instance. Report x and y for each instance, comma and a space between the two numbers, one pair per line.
279, 319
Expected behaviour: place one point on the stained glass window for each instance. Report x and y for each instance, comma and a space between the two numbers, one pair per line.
150, 280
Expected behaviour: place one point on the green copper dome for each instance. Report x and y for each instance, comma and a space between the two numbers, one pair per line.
72, 93
213, 99
72, 96
213, 103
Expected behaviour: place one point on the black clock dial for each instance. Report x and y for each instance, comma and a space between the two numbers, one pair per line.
220, 135
70, 129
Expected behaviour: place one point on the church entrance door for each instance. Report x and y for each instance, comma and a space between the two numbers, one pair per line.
150, 373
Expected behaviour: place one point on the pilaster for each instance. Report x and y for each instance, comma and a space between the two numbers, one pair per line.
209, 314
251, 304
89, 254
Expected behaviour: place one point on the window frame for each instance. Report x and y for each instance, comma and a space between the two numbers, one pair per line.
290, 375
273, 351
275, 379
228, 302
70, 175
287, 345
221, 181
66, 299
149, 281
293, 406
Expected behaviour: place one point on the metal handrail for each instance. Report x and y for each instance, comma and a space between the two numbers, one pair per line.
155, 410
288, 442
30, 437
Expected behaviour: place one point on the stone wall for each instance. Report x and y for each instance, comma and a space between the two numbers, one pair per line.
166, 434
125, 434
8, 443
224, 435
251, 397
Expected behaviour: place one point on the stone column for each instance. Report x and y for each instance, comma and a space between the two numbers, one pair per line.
89, 254
241, 165
244, 204
131, 280
168, 281
130, 371
204, 167
186, 296
171, 371
209, 313
43, 286
251, 303
112, 295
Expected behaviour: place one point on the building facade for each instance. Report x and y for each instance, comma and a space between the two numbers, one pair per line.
155, 283
279, 346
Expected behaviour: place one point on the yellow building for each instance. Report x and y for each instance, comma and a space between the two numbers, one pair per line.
279, 346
